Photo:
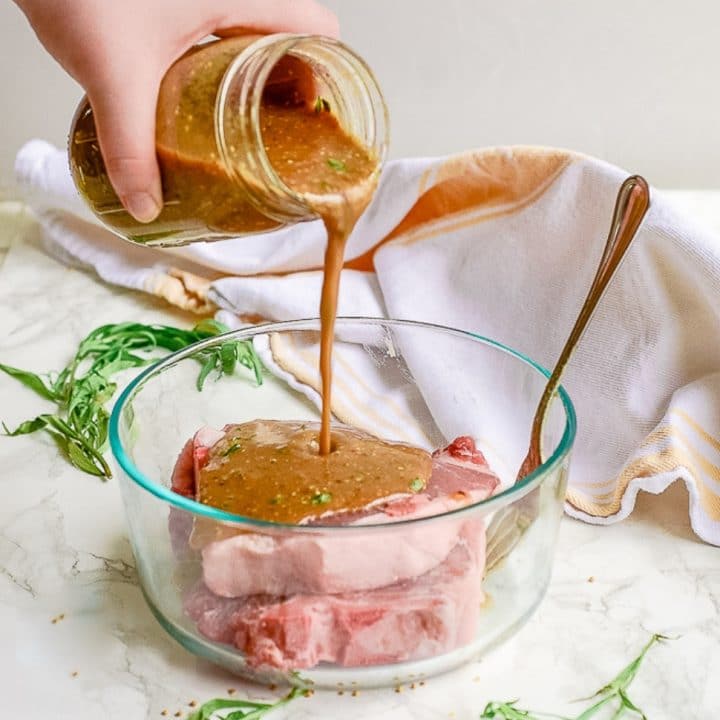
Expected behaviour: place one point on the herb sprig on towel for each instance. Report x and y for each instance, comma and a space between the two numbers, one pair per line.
82, 389
614, 694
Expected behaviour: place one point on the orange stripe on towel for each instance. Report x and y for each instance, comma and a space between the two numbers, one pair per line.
488, 183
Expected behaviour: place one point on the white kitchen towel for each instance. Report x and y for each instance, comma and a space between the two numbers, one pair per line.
503, 242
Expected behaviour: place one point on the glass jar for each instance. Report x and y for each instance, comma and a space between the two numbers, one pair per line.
217, 178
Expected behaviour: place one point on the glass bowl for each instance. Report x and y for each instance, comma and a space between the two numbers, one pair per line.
346, 605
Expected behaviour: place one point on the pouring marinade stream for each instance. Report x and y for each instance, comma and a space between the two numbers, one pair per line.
344, 164
336, 177
328, 312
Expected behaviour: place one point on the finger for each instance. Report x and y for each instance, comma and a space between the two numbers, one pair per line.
294, 16
124, 109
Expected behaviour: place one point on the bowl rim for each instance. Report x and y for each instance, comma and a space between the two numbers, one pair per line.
505, 497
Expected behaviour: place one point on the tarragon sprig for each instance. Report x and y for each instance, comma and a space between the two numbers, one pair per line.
615, 694
509, 711
616, 690
239, 709
82, 389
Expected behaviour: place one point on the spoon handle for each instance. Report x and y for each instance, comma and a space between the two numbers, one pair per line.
632, 203
509, 524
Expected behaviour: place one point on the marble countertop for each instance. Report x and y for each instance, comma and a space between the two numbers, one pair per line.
79, 641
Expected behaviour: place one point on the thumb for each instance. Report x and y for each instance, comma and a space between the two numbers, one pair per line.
124, 110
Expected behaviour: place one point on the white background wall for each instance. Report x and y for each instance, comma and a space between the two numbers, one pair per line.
633, 81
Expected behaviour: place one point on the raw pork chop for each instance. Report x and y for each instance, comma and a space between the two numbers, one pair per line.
429, 615
192, 457
283, 563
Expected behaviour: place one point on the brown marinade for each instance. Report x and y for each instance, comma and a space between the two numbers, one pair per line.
271, 470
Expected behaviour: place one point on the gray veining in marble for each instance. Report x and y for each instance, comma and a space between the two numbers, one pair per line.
64, 556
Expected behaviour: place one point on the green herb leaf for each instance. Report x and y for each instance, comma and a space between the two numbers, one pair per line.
74, 446
86, 384
612, 694
321, 105
336, 164
208, 709
239, 709
29, 426
417, 484
83, 459
623, 679
593, 710
228, 357
210, 327
509, 711
321, 498
207, 368
233, 448
30, 380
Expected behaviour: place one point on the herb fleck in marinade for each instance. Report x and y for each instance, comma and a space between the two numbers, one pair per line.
336, 164
321, 498
321, 105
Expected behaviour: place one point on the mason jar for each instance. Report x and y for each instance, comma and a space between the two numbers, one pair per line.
217, 177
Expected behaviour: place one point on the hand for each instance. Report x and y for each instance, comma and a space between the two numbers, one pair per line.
119, 52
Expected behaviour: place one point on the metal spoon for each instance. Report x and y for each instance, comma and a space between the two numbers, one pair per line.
633, 201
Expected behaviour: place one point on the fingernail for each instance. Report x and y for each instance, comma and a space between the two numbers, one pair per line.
142, 206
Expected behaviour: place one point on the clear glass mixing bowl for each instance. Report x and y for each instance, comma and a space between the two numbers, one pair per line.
357, 605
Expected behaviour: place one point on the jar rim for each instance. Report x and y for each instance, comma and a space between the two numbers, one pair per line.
244, 81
